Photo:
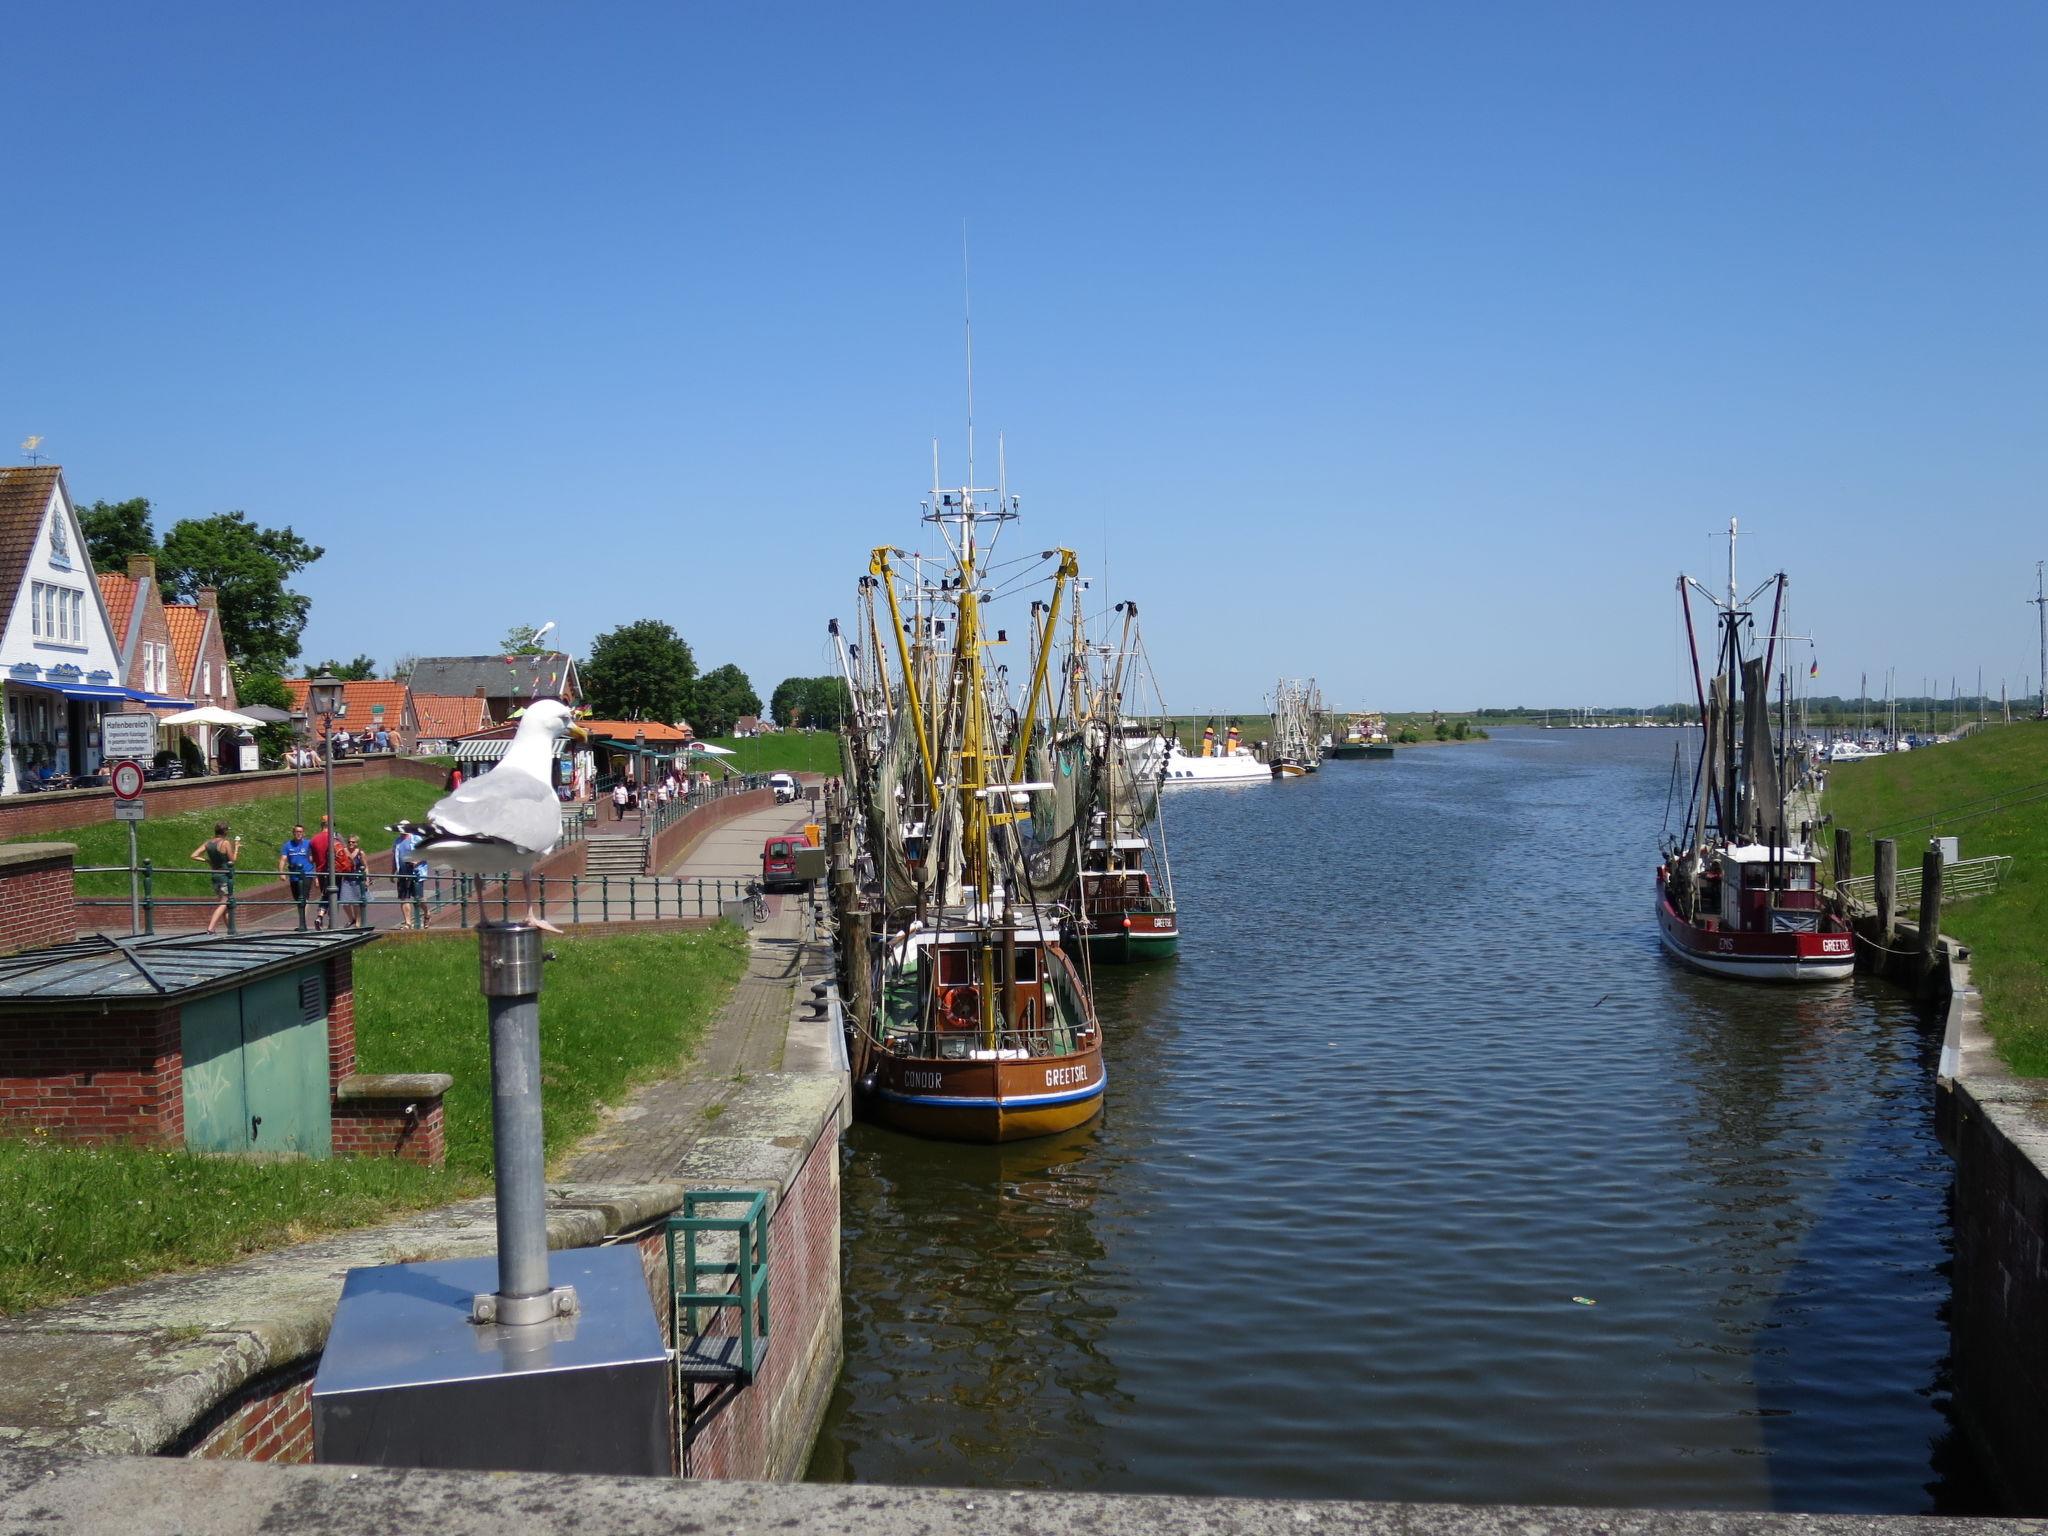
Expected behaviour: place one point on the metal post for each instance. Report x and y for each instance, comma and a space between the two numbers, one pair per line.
134, 886
327, 875
149, 896
510, 961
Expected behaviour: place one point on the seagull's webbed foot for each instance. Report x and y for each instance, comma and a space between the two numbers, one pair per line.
533, 908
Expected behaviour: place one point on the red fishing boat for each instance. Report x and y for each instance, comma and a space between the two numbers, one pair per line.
1742, 896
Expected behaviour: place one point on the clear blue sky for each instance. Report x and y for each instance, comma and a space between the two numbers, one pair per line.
1415, 347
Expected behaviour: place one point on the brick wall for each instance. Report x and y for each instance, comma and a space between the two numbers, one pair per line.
764, 1432
37, 896
87, 1076
53, 810
270, 1419
677, 838
382, 1128
341, 1018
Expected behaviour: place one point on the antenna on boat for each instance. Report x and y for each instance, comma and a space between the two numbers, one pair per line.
967, 312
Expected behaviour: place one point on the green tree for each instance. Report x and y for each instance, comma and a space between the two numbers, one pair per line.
260, 617
719, 698
402, 666
821, 701
639, 671
786, 703
521, 640
359, 670
114, 530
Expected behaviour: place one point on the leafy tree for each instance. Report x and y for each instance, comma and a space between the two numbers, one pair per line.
402, 666
260, 617
520, 640
822, 701
639, 671
359, 670
114, 530
719, 698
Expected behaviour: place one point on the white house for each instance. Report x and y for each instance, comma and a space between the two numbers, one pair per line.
60, 663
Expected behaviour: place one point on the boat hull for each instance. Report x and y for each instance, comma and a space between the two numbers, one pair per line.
1150, 936
1346, 752
1782, 957
987, 1101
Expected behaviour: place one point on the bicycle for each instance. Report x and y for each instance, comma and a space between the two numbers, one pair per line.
759, 897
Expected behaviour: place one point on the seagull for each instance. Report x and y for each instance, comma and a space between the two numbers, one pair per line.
505, 821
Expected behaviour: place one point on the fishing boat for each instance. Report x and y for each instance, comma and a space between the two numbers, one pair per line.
1122, 907
977, 1024
1297, 727
1229, 761
1366, 736
1741, 895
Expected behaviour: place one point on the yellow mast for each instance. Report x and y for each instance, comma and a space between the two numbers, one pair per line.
1069, 569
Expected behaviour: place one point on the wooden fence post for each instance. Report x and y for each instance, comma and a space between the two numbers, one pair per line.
1845, 844
1930, 913
1887, 889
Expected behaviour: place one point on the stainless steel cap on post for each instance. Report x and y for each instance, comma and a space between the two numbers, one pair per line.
510, 957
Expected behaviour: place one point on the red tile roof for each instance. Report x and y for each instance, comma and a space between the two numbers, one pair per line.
443, 715
119, 589
25, 491
362, 698
622, 730
187, 623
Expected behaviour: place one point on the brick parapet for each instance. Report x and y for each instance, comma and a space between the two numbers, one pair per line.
55, 810
92, 1077
37, 901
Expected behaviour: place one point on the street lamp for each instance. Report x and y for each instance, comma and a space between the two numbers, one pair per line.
324, 698
640, 771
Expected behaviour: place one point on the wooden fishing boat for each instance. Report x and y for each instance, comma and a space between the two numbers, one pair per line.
1121, 915
1741, 896
985, 1034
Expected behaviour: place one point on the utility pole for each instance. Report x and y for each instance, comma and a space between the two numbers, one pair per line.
2040, 602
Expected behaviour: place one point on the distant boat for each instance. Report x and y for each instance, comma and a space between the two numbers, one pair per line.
1742, 898
1230, 762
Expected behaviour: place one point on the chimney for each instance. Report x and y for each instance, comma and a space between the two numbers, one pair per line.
142, 568
206, 596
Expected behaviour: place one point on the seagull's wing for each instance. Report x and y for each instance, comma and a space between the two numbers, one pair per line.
514, 810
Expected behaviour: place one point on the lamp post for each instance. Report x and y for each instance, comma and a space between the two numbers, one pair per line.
640, 772
323, 698
298, 768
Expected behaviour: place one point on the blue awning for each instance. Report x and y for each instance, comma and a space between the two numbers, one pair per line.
157, 700
105, 693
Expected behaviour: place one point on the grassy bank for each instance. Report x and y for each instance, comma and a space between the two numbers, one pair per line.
784, 752
263, 825
1977, 790
617, 1010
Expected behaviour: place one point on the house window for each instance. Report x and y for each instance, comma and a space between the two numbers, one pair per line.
56, 613
206, 678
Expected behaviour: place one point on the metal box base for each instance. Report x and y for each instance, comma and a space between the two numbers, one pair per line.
408, 1380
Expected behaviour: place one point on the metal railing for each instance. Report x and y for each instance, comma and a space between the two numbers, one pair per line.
253, 898
1964, 878
702, 1355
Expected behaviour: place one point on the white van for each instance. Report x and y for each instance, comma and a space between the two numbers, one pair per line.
785, 786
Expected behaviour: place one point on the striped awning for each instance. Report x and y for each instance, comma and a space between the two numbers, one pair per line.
486, 751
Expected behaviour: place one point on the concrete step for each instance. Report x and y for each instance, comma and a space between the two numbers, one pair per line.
615, 856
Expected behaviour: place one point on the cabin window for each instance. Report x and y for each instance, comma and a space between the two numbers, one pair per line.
953, 968
1027, 965
1756, 876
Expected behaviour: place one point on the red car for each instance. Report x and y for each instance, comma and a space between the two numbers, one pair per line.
778, 863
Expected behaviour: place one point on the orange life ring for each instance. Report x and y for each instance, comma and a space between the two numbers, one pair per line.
960, 1008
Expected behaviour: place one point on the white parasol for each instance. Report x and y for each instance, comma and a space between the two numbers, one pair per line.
211, 714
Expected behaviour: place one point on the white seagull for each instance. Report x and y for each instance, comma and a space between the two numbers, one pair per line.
507, 820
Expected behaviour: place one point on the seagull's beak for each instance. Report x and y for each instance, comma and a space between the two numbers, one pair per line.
577, 733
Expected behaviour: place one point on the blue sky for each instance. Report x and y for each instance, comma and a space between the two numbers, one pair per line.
1417, 348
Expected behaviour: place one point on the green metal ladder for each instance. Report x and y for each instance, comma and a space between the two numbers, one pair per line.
734, 1356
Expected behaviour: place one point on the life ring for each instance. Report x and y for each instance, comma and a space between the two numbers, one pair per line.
960, 1008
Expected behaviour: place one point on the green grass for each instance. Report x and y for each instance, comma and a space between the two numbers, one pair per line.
616, 1010
1894, 796
263, 825
80, 1219
784, 752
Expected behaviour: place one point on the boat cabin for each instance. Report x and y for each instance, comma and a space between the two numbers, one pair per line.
948, 1019
1115, 879
1765, 889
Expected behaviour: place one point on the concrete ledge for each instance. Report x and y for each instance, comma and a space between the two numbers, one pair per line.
14, 855
136, 1497
393, 1085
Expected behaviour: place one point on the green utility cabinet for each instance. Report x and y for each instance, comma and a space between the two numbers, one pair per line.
255, 1074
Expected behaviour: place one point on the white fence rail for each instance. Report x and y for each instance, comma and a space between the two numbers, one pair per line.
1962, 879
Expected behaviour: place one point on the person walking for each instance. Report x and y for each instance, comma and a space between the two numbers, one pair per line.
295, 863
323, 866
355, 884
406, 867
219, 853
620, 796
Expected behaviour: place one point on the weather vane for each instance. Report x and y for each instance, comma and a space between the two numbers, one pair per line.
29, 446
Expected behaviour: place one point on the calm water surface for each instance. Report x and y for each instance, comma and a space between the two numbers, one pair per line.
1420, 1078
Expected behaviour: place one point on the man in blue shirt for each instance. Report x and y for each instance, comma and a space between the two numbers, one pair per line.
295, 863
412, 876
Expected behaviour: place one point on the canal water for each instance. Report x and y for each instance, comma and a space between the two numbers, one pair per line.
1424, 1175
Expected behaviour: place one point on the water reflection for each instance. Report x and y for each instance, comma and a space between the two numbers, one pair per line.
1420, 1079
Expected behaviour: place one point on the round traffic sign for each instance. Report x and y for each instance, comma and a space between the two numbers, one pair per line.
127, 780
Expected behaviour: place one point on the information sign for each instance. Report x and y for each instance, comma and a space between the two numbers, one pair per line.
129, 810
128, 736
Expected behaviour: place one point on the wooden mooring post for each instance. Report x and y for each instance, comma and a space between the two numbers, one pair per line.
1930, 915
1845, 845
1887, 881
